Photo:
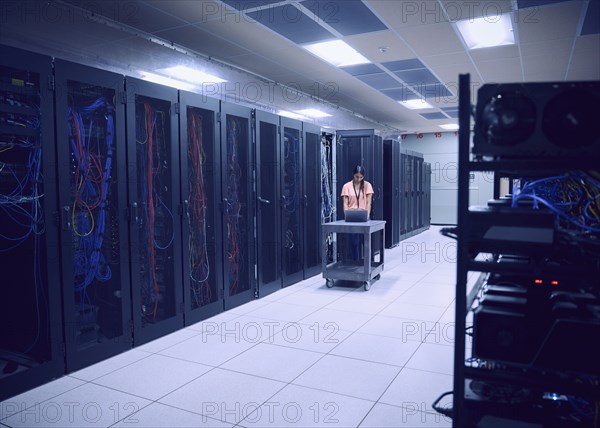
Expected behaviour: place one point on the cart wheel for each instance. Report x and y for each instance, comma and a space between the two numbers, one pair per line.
367, 285
329, 283
377, 277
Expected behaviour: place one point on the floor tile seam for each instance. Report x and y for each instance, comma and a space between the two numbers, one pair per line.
367, 361
111, 371
43, 401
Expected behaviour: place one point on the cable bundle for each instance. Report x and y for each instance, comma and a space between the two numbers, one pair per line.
21, 197
156, 220
198, 257
92, 160
233, 206
326, 195
573, 197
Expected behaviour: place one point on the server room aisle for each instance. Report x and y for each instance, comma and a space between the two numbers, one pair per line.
304, 356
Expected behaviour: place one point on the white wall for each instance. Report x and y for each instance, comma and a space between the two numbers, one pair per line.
441, 151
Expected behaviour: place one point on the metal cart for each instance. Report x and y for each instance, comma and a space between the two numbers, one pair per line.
367, 271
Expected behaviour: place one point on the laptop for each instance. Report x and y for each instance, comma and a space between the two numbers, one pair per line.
356, 216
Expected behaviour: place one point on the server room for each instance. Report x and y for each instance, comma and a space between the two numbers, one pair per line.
300, 213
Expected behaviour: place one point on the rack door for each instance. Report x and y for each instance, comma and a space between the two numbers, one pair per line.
200, 190
153, 176
237, 167
90, 133
30, 308
268, 195
291, 201
312, 199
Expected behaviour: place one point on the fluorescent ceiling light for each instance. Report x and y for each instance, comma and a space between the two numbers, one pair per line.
291, 115
488, 31
313, 112
167, 81
416, 104
337, 53
449, 126
190, 75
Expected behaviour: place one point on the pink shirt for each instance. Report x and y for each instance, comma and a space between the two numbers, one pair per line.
348, 190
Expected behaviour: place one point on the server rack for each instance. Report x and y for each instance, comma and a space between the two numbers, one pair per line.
312, 199
155, 224
90, 130
377, 182
30, 332
405, 188
292, 225
268, 194
426, 195
418, 224
200, 160
391, 192
524, 379
328, 185
237, 193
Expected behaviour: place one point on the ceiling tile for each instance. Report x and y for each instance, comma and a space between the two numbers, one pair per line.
547, 48
402, 14
357, 70
403, 93
496, 52
194, 11
432, 39
434, 92
292, 23
379, 81
446, 59
407, 64
536, 64
368, 45
348, 17
585, 62
501, 71
417, 77
549, 23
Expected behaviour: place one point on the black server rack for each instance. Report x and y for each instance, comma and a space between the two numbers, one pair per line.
268, 194
200, 198
237, 193
154, 195
30, 332
327, 161
419, 193
90, 139
361, 147
376, 175
391, 192
312, 199
292, 227
426, 195
405, 187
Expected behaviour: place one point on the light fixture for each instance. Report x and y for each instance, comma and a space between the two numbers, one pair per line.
449, 126
488, 31
416, 104
190, 75
167, 81
313, 112
291, 115
337, 53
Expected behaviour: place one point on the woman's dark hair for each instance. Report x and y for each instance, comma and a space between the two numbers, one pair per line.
359, 169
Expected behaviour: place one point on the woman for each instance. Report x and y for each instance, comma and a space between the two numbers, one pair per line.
357, 194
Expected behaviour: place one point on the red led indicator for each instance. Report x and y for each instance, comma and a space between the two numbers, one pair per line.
538, 281
554, 282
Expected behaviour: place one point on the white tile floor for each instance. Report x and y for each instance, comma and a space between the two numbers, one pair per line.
304, 356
